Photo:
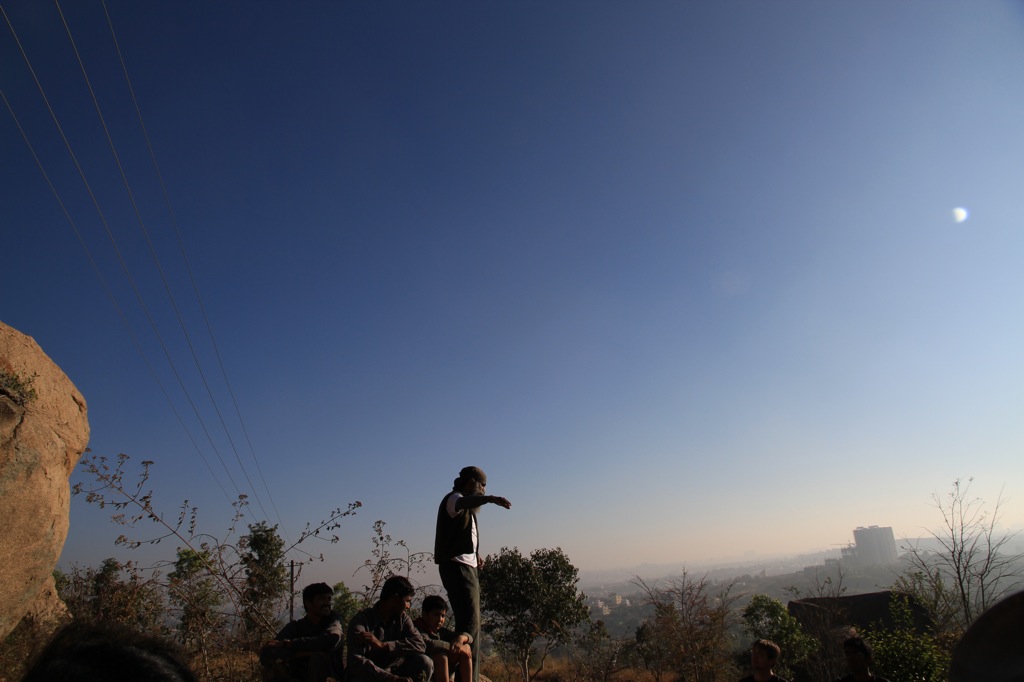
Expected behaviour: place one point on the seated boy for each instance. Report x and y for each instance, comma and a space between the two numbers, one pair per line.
307, 649
449, 651
383, 644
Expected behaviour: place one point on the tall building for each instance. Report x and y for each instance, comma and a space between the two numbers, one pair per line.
875, 545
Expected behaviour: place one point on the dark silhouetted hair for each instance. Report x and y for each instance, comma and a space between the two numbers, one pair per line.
396, 585
858, 644
768, 647
433, 603
315, 590
94, 653
470, 473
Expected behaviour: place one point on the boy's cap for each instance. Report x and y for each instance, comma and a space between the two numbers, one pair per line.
476, 473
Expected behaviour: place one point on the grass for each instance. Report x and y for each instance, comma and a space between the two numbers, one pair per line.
17, 388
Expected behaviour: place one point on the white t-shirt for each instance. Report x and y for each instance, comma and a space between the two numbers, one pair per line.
468, 559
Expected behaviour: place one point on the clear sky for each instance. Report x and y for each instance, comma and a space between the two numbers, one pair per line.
687, 279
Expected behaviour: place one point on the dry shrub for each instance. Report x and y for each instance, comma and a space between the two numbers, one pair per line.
23, 644
232, 665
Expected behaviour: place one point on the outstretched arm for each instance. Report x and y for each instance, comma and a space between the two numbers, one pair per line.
474, 501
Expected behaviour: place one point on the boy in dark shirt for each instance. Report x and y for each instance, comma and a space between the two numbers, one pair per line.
305, 649
859, 660
764, 654
383, 644
449, 650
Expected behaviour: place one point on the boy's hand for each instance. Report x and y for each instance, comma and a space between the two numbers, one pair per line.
369, 638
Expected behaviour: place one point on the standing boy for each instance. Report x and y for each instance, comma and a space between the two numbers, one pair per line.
456, 545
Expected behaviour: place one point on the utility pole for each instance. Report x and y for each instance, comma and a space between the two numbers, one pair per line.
291, 592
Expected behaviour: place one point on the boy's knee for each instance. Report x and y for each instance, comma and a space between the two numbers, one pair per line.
424, 663
275, 671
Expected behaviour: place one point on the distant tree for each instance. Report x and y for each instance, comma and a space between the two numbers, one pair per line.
344, 603
261, 553
901, 652
248, 574
654, 648
972, 569
827, 623
767, 618
530, 605
196, 594
696, 616
597, 656
113, 593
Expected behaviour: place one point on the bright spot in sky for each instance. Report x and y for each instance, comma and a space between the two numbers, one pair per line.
960, 214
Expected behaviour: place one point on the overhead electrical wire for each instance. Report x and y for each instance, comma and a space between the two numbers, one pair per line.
110, 294
156, 259
185, 259
127, 271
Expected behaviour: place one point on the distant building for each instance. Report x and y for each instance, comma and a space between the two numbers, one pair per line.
873, 546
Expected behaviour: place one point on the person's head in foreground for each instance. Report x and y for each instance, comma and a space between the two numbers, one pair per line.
99, 653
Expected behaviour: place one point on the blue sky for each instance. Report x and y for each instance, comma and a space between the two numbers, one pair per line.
683, 278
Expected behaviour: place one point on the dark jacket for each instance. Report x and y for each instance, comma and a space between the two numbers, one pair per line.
453, 536
399, 634
304, 636
440, 641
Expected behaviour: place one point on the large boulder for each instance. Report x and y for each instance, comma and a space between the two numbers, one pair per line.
990, 650
858, 611
43, 432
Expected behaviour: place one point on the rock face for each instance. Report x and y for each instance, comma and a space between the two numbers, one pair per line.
990, 650
43, 432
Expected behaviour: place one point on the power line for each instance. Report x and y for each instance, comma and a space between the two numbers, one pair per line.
188, 266
156, 259
110, 294
117, 251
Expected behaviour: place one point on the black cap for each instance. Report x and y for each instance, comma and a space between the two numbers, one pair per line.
476, 473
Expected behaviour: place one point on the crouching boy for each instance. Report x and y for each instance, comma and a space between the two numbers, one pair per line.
449, 650
383, 644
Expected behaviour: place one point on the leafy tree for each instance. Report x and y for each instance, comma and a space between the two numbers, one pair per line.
247, 577
654, 650
193, 590
827, 623
597, 656
767, 618
113, 593
972, 569
344, 603
530, 605
695, 616
902, 653
932, 593
266, 582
